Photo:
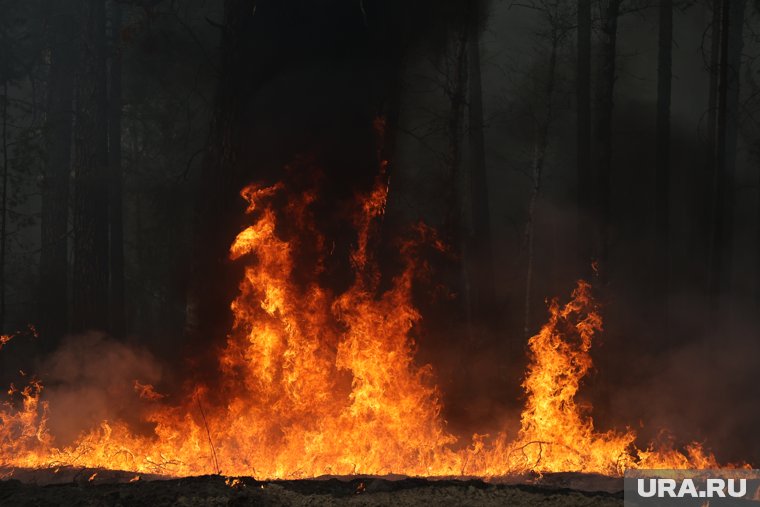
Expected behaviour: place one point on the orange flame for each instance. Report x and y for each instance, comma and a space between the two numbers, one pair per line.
555, 432
147, 391
321, 383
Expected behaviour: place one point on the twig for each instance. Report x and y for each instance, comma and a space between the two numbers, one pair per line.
208, 434
183, 174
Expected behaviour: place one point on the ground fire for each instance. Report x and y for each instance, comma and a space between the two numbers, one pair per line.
319, 383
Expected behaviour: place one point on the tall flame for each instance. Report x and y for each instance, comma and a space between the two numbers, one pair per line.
317, 383
558, 434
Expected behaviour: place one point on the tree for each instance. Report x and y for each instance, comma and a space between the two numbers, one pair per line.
219, 211
480, 223
662, 160
55, 183
604, 105
116, 224
721, 246
733, 79
458, 200
90, 270
4, 202
583, 134
20, 61
558, 30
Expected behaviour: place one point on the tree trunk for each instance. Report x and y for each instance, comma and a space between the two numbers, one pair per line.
662, 161
481, 262
90, 270
583, 131
757, 244
721, 251
539, 157
605, 102
733, 80
115, 194
54, 221
4, 204
704, 233
458, 215
140, 319
220, 209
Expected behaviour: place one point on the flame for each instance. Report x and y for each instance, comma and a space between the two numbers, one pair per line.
555, 432
316, 382
147, 391
234, 483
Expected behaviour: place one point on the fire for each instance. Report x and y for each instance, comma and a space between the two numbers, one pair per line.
556, 432
316, 382
147, 391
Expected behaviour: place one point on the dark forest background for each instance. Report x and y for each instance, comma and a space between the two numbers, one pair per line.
546, 141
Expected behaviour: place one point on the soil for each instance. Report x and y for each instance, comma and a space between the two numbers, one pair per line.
79, 487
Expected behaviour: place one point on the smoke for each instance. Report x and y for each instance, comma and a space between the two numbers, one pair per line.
704, 390
91, 379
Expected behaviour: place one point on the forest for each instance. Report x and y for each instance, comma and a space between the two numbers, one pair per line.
538, 141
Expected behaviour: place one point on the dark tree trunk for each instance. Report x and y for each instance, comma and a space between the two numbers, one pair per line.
481, 261
4, 204
721, 251
662, 160
55, 184
90, 271
733, 80
220, 209
605, 102
115, 193
537, 172
140, 318
717, 177
583, 99
456, 220
717, 226
708, 177
757, 245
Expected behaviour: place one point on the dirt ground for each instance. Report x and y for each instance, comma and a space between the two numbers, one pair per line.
80, 488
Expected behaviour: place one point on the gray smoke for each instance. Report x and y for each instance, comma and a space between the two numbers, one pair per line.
91, 378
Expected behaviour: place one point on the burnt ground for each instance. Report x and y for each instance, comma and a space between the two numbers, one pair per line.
78, 487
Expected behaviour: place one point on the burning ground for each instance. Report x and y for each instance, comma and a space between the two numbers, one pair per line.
316, 383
